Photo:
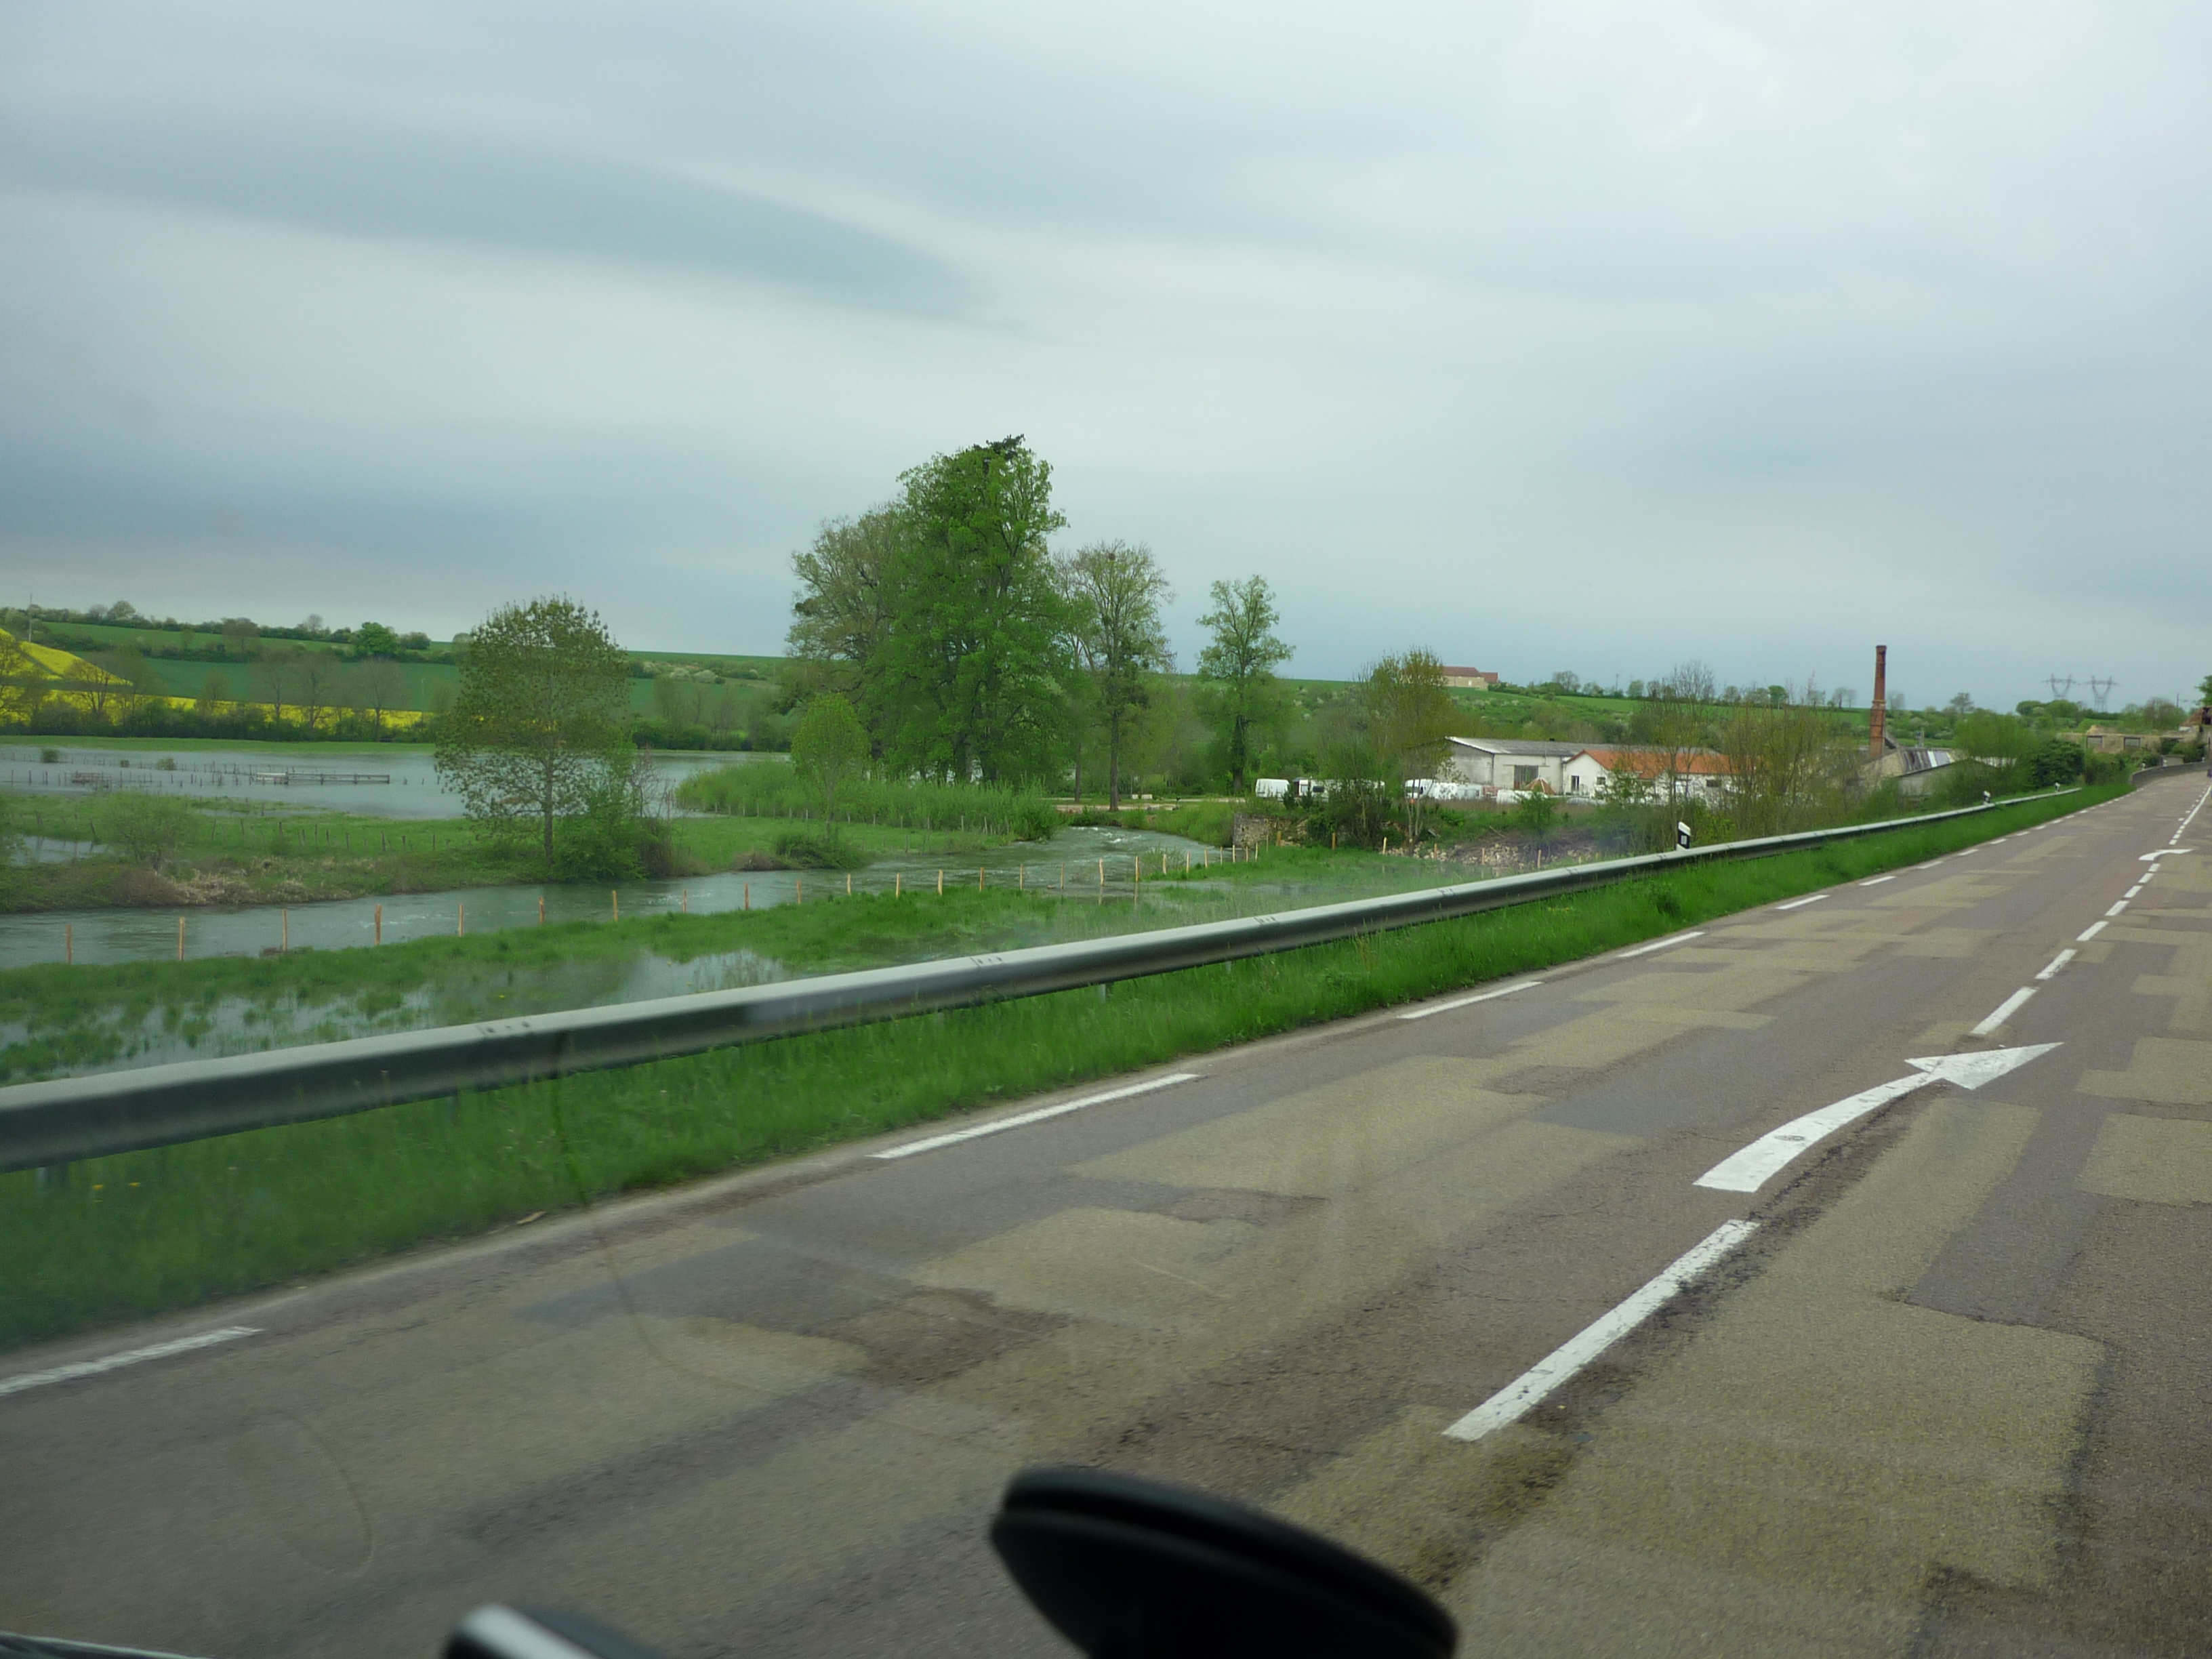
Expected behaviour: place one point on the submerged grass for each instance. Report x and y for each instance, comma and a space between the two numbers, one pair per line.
235, 852
116, 1238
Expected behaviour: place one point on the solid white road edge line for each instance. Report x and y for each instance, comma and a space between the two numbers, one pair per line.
2004, 1011
23, 1380
2056, 963
2091, 931
1812, 898
1469, 1002
1513, 1401
1877, 881
1658, 944
1037, 1116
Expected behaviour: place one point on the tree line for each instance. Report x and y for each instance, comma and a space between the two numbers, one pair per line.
967, 650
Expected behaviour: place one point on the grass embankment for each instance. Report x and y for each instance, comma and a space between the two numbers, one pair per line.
251, 853
148, 1232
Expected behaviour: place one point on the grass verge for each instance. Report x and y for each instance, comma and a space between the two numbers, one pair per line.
148, 1232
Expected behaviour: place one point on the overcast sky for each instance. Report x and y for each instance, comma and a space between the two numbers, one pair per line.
1547, 336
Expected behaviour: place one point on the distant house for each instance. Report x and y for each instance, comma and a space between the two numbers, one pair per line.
1690, 774
1493, 763
1475, 679
2108, 740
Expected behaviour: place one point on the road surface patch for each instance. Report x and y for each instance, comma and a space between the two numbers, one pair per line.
2174, 1071
2152, 1160
1323, 1141
1789, 1479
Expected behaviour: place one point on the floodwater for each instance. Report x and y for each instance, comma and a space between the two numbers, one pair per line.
1075, 857
381, 780
70, 1042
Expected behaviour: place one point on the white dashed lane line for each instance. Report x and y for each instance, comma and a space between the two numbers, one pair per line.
2004, 1010
1877, 881
1514, 1400
1658, 944
2056, 963
1038, 1117
1469, 1002
2091, 931
113, 1362
1797, 904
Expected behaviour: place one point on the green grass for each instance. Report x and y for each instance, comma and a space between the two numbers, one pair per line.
152, 1231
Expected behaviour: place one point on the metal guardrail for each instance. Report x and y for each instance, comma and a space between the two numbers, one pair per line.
43, 1124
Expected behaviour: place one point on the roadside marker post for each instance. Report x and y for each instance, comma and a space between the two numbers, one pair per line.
180, 938
378, 939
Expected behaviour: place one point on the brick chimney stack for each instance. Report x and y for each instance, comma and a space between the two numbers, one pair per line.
1880, 699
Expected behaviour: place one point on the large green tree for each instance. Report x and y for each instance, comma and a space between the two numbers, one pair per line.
1238, 670
973, 666
843, 610
1116, 591
536, 731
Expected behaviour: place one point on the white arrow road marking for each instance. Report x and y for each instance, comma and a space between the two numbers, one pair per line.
23, 1380
1514, 1401
1037, 1116
2004, 1011
1748, 1170
2056, 963
1794, 903
1658, 944
1469, 1002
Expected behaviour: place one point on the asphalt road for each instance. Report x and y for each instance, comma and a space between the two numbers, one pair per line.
1952, 1395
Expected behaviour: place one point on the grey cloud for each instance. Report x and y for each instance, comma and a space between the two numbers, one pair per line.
361, 179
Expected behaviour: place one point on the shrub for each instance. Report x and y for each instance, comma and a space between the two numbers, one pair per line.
144, 828
800, 851
771, 790
2052, 762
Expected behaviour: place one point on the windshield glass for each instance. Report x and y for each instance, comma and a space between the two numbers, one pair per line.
753, 767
